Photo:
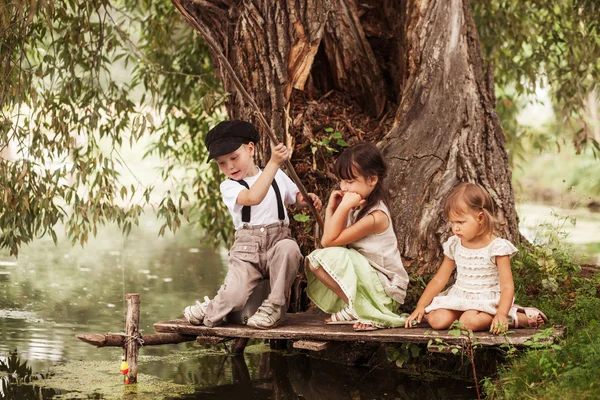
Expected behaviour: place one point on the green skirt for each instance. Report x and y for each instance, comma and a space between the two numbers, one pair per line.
359, 281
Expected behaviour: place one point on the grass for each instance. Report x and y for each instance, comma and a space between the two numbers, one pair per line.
546, 178
569, 372
548, 278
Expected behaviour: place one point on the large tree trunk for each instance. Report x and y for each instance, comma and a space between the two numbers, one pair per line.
408, 74
446, 130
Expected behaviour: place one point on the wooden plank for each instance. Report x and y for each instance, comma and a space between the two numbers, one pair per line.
310, 345
308, 326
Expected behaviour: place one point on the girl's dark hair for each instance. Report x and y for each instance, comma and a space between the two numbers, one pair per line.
472, 197
366, 160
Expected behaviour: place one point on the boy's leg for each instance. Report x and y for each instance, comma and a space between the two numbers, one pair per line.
283, 263
240, 281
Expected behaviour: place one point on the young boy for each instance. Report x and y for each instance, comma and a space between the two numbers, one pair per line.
263, 247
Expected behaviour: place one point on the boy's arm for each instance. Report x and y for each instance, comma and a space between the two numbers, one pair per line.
256, 194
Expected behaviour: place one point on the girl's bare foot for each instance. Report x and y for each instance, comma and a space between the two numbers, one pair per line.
364, 326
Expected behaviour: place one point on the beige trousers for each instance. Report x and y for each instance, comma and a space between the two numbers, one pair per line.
259, 252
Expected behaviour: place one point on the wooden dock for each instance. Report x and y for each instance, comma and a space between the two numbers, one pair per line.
306, 330
310, 327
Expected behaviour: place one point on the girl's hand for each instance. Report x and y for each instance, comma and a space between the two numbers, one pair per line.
279, 154
499, 324
334, 200
416, 315
352, 199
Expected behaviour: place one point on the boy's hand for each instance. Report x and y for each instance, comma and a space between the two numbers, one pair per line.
352, 199
417, 316
315, 200
279, 154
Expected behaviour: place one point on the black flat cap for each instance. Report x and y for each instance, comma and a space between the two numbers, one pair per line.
227, 136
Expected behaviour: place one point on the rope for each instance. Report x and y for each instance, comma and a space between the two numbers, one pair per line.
129, 338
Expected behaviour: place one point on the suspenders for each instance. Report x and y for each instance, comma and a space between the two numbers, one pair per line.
280, 210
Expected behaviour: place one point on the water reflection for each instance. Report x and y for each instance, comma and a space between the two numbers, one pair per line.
14, 373
301, 377
52, 293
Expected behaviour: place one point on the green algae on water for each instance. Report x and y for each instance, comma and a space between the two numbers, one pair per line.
101, 379
182, 356
258, 348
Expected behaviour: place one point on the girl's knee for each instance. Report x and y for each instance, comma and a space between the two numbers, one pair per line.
437, 319
311, 267
475, 320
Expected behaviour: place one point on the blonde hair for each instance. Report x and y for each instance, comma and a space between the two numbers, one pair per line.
472, 197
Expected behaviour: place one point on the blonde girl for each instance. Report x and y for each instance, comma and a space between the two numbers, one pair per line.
482, 296
358, 276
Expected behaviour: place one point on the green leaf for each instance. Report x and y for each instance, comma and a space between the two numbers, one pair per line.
454, 332
301, 218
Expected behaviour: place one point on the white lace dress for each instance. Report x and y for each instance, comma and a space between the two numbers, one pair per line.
477, 285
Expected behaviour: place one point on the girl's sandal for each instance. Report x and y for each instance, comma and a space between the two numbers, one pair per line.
532, 315
343, 317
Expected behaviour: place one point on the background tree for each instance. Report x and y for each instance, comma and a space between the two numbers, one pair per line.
81, 81
436, 101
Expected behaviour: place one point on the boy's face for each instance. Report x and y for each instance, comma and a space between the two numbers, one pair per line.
238, 164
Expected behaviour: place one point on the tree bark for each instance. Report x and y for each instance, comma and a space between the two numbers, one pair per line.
407, 73
355, 72
271, 45
446, 130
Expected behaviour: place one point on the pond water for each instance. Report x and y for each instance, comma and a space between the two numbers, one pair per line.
579, 228
51, 293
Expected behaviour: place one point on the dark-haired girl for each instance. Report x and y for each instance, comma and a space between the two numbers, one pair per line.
358, 276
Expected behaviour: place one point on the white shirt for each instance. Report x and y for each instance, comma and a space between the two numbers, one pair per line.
266, 212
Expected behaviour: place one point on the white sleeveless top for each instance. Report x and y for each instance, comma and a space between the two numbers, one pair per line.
381, 249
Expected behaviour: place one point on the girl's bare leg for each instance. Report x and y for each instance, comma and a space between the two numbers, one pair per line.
476, 320
443, 318
328, 281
